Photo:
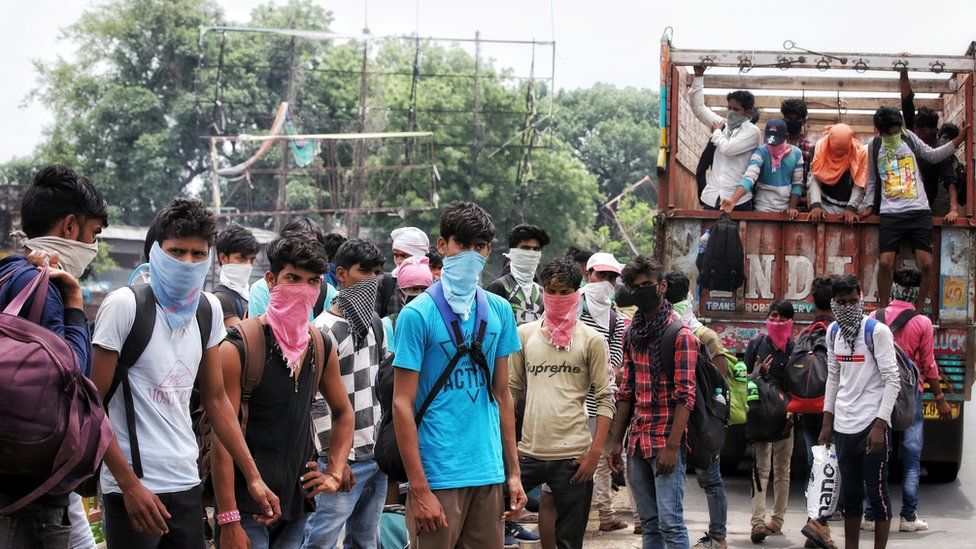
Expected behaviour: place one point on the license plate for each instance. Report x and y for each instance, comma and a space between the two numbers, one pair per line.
931, 411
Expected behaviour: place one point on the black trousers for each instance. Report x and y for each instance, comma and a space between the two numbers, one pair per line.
863, 474
185, 526
572, 500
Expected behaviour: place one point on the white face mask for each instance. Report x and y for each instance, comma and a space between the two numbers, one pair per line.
236, 276
524, 264
598, 296
74, 256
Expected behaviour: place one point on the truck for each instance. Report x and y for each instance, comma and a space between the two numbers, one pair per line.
782, 257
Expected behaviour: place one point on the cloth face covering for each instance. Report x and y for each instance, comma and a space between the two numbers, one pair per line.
646, 298
904, 293
74, 256
686, 312
891, 142
838, 152
598, 296
357, 304
560, 318
778, 152
848, 319
524, 264
779, 332
236, 276
288, 310
177, 286
794, 127
414, 271
734, 120
459, 278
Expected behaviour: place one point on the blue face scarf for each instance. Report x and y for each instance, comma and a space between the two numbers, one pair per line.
459, 278
176, 285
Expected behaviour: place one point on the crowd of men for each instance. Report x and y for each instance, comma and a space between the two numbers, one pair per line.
261, 399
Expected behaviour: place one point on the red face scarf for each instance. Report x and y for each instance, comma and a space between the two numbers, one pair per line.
779, 333
288, 310
778, 152
560, 318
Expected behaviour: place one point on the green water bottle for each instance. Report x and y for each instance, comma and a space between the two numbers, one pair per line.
752, 392
739, 370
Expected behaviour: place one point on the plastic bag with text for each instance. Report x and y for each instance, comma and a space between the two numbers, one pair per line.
823, 490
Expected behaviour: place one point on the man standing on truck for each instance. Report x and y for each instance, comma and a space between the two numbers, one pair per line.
914, 334
840, 173
862, 386
774, 175
653, 406
894, 180
794, 112
735, 138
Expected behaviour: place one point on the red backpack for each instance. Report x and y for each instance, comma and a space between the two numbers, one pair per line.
52, 425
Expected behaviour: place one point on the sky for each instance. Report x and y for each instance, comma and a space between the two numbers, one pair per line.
613, 41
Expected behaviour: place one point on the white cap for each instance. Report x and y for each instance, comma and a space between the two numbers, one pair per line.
411, 240
602, 261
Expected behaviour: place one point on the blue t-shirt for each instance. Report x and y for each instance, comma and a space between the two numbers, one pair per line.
258, 298
460, 436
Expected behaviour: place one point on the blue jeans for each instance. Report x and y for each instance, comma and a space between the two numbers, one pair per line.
34, 526
912, 441
282, 534
660, 502
358, 511
710, 480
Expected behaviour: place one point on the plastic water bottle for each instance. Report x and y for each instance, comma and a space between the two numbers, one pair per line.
720, 397
739, 370
752, 392
703, 242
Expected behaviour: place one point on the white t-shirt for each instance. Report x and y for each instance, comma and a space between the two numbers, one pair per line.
162, 380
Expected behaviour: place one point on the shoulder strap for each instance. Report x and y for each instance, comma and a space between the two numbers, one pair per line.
252, 366
669, 340
320, 301
834, 328
229, 298
133, 347
869, 334
448, 315
873, 159
613, 322
378, 332
880, 314
204, 322
320, 348
901, 320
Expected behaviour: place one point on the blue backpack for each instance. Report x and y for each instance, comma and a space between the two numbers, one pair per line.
385, 451
903, 413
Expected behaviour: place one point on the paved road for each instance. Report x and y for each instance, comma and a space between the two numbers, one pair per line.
948, 508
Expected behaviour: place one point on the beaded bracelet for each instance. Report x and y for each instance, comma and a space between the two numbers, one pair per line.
228, 517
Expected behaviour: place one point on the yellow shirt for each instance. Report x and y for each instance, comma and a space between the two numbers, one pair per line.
554, 384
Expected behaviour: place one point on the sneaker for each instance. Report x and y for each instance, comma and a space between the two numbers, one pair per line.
759, 533
818, 535
515, 533
711, 543
613, 525
917, 525
867, 525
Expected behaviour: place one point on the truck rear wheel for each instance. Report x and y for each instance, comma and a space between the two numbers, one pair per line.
942, 471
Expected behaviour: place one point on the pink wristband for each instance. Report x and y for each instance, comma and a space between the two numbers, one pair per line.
228, 517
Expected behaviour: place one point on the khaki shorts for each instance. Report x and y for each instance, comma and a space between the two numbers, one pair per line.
474, 519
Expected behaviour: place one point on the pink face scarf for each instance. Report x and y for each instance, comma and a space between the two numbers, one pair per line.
778, 152
560, 318
779, 333
288, 311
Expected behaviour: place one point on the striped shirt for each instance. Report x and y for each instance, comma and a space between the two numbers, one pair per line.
615, 353
772, 189
653, 412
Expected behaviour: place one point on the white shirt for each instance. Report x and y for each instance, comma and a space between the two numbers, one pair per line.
861, 386
732, 150
162, 380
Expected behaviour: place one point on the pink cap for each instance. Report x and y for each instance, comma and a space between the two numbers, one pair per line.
602, 261
414, 271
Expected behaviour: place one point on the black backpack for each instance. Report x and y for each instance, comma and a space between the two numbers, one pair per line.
721, 266
135, 344
806, 372
766, 417
386, 451
710, 416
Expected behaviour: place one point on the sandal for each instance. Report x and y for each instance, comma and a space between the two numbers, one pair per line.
613, 526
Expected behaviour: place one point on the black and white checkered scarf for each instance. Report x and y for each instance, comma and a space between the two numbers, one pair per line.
357, 304
848, 320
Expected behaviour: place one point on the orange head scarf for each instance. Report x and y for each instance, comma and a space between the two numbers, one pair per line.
837, 152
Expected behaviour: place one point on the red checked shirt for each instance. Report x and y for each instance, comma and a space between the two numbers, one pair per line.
653, 414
